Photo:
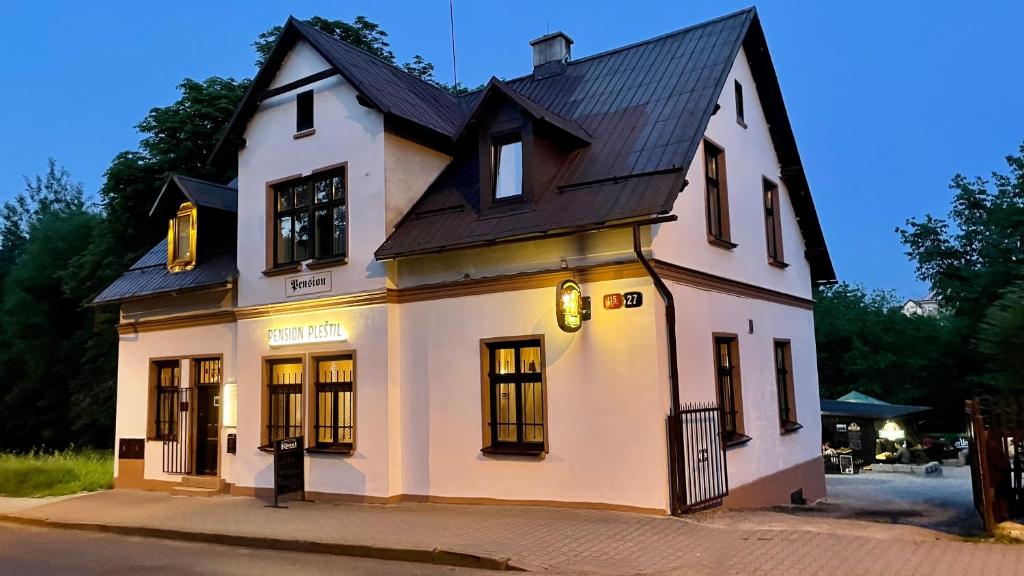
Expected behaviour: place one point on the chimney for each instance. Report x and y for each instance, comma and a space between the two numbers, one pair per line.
550, 53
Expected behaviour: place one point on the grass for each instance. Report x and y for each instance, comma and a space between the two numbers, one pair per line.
37, 474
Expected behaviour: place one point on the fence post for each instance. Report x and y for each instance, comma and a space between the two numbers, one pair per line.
982, 467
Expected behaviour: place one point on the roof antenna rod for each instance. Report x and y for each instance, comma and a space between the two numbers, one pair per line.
451, 18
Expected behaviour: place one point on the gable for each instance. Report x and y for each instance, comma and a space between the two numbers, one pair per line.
302, 61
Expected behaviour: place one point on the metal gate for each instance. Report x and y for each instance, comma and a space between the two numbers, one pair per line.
700, 478
178, 449
996, 455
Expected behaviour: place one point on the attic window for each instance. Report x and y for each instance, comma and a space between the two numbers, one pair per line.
181, 239
304, 111
507, 158
739, 104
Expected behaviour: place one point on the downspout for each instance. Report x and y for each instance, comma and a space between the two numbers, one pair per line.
670, 321
673, 425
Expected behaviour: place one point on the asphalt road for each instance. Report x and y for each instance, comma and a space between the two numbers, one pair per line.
27, 551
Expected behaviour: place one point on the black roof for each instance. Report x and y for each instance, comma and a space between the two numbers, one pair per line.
149, 276
882, 411
642, 109
201, 193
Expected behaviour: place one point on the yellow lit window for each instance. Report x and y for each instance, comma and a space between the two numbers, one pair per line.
514, 387
181, 239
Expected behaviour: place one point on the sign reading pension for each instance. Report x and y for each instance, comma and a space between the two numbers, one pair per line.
325, 331
308, 284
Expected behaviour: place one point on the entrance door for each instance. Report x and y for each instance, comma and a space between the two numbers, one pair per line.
207, 429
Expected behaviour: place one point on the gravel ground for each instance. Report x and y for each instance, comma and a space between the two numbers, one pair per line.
942, 503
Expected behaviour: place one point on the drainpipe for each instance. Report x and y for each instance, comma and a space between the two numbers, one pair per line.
670, 321
673, 426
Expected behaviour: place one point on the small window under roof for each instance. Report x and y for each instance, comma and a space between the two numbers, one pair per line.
304, 111
508, 170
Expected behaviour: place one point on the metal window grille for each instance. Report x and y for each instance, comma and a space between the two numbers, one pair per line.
208, 371
516, 384
168, 383
285, 399
334, 426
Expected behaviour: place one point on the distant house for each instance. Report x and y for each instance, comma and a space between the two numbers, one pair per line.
927, 306
474, 298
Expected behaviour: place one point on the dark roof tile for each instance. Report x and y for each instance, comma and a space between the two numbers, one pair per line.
149, 276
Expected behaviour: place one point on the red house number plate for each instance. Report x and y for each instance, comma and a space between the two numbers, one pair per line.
627, 300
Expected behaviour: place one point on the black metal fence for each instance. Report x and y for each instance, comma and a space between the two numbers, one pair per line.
698, 463
177, 448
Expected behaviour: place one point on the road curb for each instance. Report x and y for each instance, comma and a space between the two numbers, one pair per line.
438, 556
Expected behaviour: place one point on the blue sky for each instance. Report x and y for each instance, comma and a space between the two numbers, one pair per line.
888, 99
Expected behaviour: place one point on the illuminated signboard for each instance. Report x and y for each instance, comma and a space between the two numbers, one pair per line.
306, 334
569, 306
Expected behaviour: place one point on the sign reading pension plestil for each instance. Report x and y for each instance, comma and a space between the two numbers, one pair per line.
325, 331
308, 284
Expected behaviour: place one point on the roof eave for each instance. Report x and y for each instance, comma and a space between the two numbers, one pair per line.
382, 255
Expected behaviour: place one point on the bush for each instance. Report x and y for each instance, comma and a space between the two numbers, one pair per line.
37, 474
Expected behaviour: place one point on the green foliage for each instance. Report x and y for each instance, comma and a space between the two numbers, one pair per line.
865, 343
973, 258
1001, 339
361, 33
53, 356
176, 138
37, 474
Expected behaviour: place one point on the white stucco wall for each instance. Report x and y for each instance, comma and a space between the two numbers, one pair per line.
345, 132
366, 470
700, 314
607, 400
135, 352
749, 156
408, 168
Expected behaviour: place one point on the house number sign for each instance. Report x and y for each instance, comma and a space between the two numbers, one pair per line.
308, 284
626, 300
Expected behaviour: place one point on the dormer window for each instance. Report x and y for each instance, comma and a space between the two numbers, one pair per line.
507, 159
181, 239
304, 111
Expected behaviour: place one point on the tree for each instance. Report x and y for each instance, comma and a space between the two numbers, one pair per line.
973, 258
1001, 339
52, 351
176, 138
361, 33
865, 343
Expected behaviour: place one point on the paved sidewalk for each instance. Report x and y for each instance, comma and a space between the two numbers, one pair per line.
560, 540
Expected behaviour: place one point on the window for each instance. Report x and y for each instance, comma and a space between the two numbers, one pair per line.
772, 222
168, 390
784, 386
304, 111
181, 239
717, 201
727, 375
334, 405
284, 399
514, 389
739, 104
507, 159
310, 219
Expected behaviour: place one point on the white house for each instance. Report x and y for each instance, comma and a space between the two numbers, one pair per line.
401, 279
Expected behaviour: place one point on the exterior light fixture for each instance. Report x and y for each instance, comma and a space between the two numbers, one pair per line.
572, 308
892, 431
